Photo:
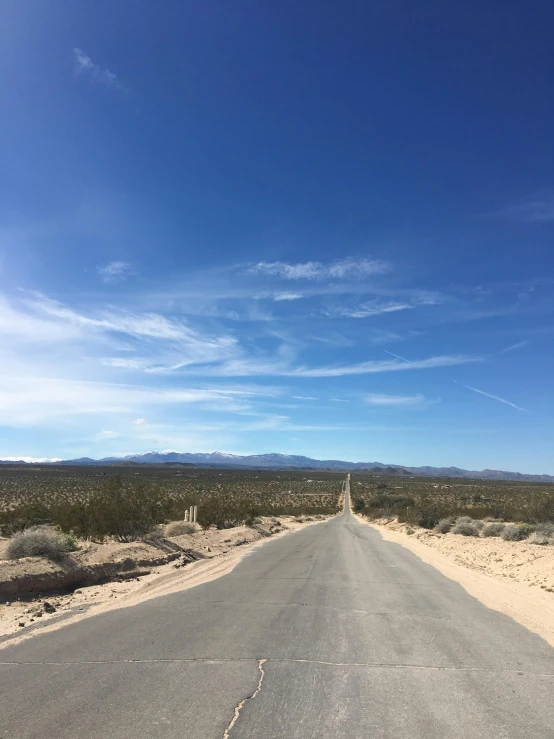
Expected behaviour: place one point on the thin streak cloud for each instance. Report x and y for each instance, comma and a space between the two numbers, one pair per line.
85, 67
494, 397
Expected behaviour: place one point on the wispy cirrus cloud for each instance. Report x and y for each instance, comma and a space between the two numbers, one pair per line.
28, 400
394, 401
274, 367
365, 368
494, 397
340, 269
378, 307
115, 271
278, 297
84, 66
535, 208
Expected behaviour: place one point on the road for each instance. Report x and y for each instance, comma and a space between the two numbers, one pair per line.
327, 632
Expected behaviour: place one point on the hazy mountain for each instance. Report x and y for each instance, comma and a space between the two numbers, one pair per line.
281, 461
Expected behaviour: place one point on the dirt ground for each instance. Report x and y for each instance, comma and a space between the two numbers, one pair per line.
218, 551
514, 577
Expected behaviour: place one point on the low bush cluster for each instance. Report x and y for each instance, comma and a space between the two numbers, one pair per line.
441, 503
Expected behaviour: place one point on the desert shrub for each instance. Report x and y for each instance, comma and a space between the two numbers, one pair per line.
546, 529
514, 533
527, 528
125, 511
495, 528
155, 534
427, 520
443, 526
538, 538
359, 504
40, 541
390, 502
180, 528
465, 529
479, 525
465, 519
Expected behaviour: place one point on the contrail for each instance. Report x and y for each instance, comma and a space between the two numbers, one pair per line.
515, 346
398, 357
494, 397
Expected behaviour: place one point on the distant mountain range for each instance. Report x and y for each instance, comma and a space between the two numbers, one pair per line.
284, 461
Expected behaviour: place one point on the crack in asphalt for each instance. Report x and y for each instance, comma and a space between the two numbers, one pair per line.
283, 660
240, 706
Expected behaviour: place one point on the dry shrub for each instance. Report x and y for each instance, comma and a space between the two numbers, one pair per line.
538, 538
495, 528
180, 528
40, 541
465, 529
514, 533
443, 526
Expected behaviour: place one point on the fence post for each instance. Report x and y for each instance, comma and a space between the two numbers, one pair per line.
195, 512
186, 516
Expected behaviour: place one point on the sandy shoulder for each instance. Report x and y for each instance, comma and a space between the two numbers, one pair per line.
514, 578
222, 551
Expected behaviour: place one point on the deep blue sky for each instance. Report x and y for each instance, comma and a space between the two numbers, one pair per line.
318, 228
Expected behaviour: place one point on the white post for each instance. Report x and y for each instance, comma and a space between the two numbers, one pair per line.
190, 514
195, 512
186, 516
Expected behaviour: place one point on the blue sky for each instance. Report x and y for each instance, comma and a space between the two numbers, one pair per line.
312, 228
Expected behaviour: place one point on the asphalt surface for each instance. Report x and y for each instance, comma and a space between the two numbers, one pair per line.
327, 632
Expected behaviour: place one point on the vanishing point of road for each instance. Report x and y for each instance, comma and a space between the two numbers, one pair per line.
327, 632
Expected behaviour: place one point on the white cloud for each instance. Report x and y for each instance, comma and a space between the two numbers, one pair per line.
304, 397
278, 297
140, 422
31, 399
494, 397
114, 271
340, 269
379, 399
376, 307
375, 366
108, 435
536, 208
30, 460
84, 66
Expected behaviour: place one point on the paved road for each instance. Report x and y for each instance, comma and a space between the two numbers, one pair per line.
327, 632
